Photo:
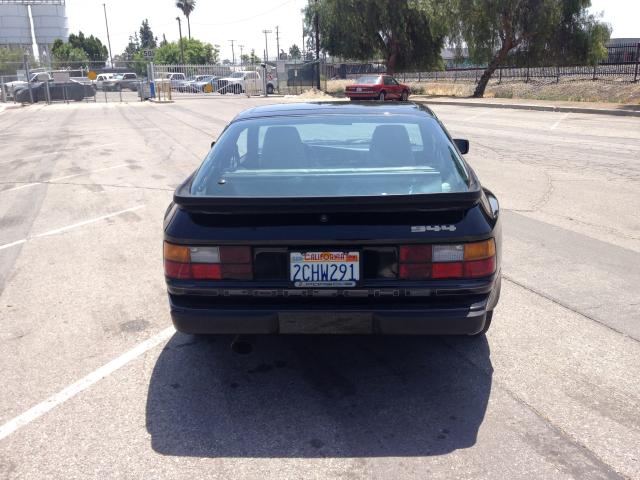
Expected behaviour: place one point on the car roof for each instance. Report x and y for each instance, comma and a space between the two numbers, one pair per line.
328, 108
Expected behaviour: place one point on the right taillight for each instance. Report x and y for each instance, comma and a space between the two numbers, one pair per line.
463, 260
184, 262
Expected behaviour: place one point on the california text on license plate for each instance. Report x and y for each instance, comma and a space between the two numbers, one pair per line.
325, 269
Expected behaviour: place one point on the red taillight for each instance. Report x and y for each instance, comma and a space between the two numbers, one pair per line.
480, 268
415, 253
235, 254
448, 270
415, 271
206, 271
207, 263
466, 260
237, 271
177, 270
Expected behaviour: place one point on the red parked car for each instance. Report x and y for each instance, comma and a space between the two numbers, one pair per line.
377, 87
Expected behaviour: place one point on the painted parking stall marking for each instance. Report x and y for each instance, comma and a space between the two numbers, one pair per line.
70, 227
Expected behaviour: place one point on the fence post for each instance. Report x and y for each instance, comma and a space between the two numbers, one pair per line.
28, 74
635, 75
527, 80
557, 73
418, 77
2, 93
499, 75
48, 93
455, 76
594, 72
476, 76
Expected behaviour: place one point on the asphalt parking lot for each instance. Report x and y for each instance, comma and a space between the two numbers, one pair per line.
98, 385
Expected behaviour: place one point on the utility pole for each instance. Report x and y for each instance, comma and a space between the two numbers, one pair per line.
266, 45
316, 25
241, 47
304, 57
278, 42
104, 6
233, 53
181, 45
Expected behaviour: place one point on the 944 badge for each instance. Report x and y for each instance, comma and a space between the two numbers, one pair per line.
432, 228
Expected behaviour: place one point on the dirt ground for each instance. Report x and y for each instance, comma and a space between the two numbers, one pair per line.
577, 91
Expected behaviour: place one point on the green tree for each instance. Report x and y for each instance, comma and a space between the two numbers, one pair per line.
407, 34
92, 46
245, 59
12, 60
132, 47
549, 30
147, 40
66, 55
253, 58
294, 52
187, 7
195, 52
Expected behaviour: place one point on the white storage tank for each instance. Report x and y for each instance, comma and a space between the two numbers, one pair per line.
15, 30
49, 23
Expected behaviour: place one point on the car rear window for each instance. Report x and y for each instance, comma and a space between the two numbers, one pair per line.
367, 80
332, 156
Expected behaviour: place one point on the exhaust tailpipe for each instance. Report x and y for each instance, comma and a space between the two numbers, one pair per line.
242, 345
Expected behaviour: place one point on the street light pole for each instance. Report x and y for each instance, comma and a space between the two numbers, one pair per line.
266, 45
233, 53
316, 25
104, 6
241, 47
181, 45
277, 42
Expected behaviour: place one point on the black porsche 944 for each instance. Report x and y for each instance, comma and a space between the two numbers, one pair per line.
333, 218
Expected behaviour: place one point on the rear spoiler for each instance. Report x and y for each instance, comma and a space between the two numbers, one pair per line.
283, 205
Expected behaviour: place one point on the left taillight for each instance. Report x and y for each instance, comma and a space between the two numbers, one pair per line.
184, 262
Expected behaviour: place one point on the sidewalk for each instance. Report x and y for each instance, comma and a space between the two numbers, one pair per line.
526, 104
8, 106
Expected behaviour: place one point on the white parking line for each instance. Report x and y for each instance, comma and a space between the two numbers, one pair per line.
69, 227
553, 127
65, 394
52, 180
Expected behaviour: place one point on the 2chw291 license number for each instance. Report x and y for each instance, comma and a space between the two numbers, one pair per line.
324, 269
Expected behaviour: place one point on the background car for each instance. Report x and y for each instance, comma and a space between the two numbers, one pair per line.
178, 81
101, 79
333, 218
10, 88
246, 81
377, 87
57, 91
121, 81
199, 84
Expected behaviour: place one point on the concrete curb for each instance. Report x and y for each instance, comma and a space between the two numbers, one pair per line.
541, 108
10, 106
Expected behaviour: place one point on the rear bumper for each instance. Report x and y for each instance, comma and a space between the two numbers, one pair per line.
459, 319
362, 96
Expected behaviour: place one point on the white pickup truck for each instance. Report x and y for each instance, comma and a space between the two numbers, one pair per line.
11, 87
245, 81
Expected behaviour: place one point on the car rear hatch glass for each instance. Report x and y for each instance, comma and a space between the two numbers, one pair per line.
332, 156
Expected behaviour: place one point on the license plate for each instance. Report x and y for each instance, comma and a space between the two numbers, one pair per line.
324, 269
358, 89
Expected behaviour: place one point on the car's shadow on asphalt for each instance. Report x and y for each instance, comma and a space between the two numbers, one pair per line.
317, 396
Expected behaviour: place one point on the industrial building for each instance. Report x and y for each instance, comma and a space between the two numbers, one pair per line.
24, 23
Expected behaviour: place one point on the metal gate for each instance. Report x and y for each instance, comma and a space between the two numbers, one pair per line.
181, 81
